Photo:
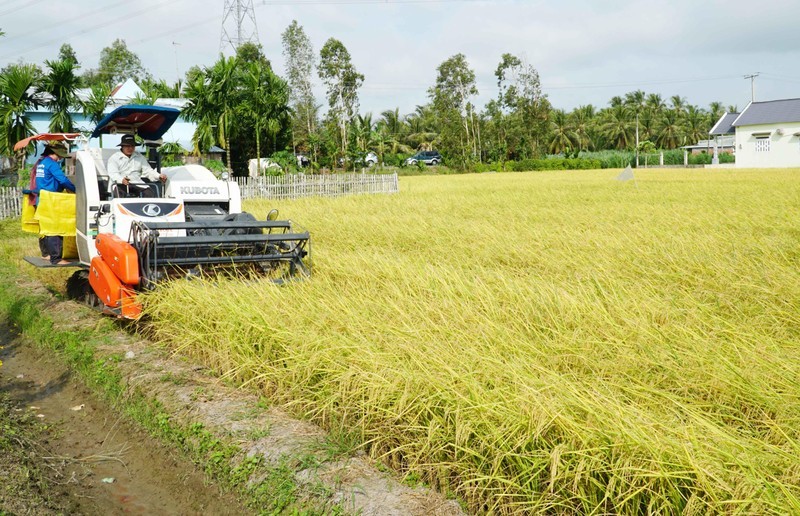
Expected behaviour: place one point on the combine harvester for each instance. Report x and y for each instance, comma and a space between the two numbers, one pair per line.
194, 227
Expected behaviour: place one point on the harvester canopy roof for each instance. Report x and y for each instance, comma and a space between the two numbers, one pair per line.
50, 137
149, 122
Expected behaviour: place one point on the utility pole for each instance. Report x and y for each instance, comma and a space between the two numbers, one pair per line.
238, 24
637, 139
752, 78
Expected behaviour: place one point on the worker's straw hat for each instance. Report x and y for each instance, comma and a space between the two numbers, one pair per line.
56, 148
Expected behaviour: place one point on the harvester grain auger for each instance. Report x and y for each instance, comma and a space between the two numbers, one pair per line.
194, 225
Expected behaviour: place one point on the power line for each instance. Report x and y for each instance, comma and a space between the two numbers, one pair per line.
86, 30
358, 2
15, 9
49, 29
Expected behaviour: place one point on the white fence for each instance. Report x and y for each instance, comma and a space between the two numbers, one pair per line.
326, 185
278, 187
10, 202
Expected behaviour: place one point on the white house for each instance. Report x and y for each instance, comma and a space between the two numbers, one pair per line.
768, 134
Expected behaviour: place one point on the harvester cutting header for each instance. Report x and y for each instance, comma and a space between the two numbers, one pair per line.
186, 225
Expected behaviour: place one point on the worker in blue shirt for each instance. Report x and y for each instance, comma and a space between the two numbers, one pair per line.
49, 177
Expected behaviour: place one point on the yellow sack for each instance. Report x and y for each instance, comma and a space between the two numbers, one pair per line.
29, 222
69, 250
56, 214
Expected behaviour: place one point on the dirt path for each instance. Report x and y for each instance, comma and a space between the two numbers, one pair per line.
98, 462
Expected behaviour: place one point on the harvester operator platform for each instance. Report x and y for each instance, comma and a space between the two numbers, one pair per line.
126, 169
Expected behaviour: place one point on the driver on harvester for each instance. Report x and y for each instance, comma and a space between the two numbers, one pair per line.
126, 169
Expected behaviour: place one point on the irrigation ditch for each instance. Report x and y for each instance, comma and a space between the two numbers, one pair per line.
123, 426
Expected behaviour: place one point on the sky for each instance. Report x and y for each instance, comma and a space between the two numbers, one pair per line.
585, 51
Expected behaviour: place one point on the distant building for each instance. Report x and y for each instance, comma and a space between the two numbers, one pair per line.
768, 134
723, 144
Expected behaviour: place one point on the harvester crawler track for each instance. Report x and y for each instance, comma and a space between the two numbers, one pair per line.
184, 246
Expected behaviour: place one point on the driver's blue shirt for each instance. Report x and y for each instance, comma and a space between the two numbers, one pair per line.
50, 177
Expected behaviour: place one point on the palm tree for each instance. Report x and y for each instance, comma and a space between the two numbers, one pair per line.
363, 131
695, 124
636, 102
94, 106
393, 122
646, 147
17, 99
563, 136
60, 84
678, 104
715, 111
581, 119
212, 104
617, 127
670, 130
421, 128
264, 103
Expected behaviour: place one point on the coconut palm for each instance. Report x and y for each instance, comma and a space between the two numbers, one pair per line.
393, 122
581, 120
678, 104
363, 129
669, 130
616, 101
421, 128
17, 99
617, 127
715, 111
636, 101
654, 104
562, 135
695, 123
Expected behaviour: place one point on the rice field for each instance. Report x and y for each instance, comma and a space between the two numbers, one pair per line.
553, 342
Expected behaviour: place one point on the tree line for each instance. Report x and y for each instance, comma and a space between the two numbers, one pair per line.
241, 105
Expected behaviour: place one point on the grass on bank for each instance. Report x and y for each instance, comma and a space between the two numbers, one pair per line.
553, 342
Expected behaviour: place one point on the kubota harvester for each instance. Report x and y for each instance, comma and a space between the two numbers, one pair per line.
192, 225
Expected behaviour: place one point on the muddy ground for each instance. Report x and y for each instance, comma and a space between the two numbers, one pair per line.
91, 460
86, 443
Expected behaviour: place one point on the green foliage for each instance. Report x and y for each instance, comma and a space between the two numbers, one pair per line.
117, 63
286, 159
215, 165
342, 82
67, 53
454, 112
240, 106
300, 61
553, 163
18, 84
61, 83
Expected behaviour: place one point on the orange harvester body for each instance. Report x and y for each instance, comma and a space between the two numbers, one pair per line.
114, 273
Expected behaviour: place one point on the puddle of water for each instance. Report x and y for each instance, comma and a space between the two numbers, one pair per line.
94, 443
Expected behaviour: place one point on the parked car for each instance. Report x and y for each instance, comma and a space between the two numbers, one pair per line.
369, 160
428, 157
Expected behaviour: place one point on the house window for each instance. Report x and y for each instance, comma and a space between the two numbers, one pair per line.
762, 144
